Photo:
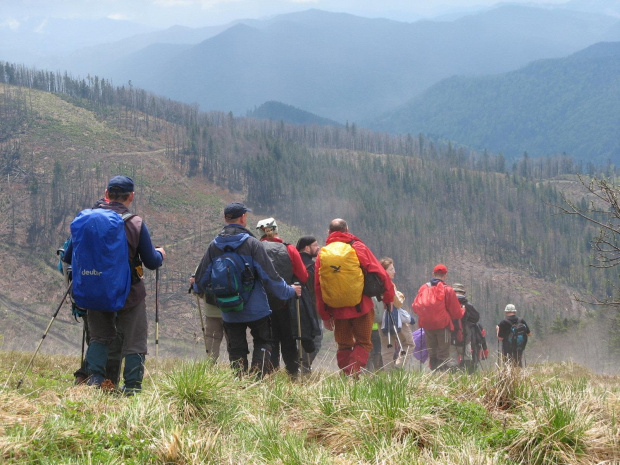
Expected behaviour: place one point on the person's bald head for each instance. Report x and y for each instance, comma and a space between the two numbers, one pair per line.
338, 224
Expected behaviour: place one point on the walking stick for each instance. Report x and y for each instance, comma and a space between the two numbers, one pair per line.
83, 341
389, 344
44, 334
402, 351
156, 315
299, 347
500, 359
202, 324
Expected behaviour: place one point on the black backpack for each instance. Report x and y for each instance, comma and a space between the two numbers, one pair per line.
517, 338
373, 286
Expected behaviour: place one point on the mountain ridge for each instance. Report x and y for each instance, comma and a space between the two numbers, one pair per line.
549, 106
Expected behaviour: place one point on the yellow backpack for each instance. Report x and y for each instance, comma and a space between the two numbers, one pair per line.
340, 275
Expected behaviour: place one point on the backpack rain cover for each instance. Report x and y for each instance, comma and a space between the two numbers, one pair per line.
340, 275
100, 261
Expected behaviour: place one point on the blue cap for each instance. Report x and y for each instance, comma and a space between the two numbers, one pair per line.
121, 184
235, 210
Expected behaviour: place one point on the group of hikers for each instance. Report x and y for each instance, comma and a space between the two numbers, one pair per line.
279, 291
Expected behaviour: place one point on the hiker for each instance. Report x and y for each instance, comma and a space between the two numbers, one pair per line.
392, 356
113, 366
289, 265
514, 333
131, 319
406, 338
236, 251
308, 249
464, 334
339, 284
436, 305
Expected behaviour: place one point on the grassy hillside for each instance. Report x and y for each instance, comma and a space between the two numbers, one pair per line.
193, 412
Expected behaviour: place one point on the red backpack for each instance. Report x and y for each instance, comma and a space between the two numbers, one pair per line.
430, 305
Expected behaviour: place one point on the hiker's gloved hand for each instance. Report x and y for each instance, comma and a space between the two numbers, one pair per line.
77, 312
485, 354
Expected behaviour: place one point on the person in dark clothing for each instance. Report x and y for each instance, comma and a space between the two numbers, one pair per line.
131, 320
256, 313
511, 351
113, 366
290, 267
308, 249
464, 332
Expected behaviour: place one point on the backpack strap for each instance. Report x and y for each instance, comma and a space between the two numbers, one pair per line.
358, 307
135, 265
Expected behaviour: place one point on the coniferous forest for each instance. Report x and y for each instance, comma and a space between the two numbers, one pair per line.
493, 221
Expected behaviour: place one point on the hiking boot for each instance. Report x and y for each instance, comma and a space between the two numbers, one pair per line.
342, 357
80, 379
129, 391
95, 380
133, 372
96, 358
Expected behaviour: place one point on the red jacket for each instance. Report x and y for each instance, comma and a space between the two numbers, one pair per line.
369, 263
441, 319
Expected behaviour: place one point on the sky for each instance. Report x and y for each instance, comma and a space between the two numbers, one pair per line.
197, 13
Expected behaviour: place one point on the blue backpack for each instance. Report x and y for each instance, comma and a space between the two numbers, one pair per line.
230, 279
517, 338
100, 260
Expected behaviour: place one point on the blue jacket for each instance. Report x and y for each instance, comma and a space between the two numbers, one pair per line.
252, 251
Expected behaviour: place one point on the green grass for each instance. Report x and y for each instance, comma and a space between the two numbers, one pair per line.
194, 412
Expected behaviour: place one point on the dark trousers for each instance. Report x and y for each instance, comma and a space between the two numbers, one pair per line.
113, 366
283, 341
515, 358
236, 335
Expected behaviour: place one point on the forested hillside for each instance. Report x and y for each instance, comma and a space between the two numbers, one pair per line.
491, 222
289, 114
567, 105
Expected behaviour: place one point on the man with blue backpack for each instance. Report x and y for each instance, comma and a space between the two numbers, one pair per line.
108, 247
514, 333
235, 271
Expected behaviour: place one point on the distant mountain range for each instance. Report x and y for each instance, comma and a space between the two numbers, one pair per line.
389, 75
340, 66
566, 105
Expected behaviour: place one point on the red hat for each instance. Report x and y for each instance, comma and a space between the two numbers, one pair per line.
441, 269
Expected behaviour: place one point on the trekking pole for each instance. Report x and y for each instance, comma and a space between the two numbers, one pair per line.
156, 315
389, 345
83, 341
202, 323
402, 351
19, 383
300, 348
500, 359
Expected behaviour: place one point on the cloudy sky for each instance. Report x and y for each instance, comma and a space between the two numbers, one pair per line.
194, 13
